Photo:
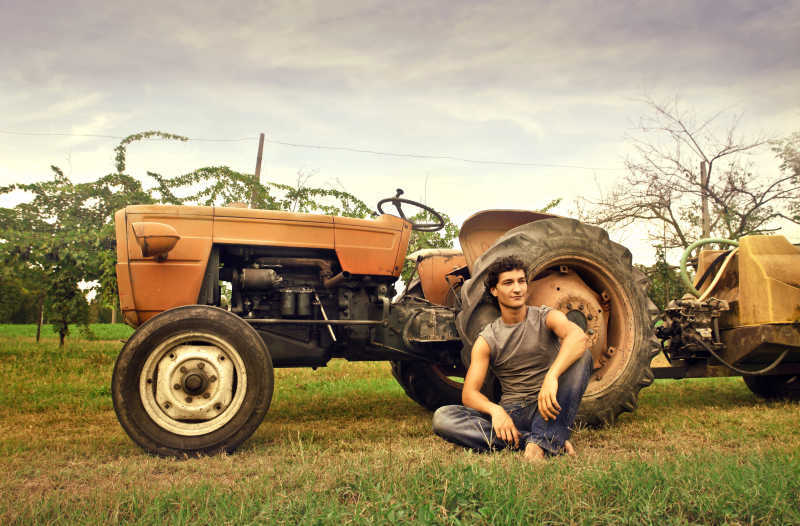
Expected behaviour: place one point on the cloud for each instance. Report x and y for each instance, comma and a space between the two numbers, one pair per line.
548, 82
69, 106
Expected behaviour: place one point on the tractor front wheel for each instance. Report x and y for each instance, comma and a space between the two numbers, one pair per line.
192, 380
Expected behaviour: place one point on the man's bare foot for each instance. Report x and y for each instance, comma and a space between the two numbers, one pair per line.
533, 453
569, 449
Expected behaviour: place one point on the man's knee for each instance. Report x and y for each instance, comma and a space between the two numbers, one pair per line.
443, 419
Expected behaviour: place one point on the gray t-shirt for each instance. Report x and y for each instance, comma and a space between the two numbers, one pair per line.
521, 354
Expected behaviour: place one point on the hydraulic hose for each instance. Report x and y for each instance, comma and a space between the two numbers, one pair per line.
729, 365
688, 251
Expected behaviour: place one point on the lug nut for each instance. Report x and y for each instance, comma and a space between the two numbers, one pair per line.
218, 406
589, 317
221, 358
183, 369
188, 399
177, 386
569, 306
590, 331
167, 405
172, 355
201, 365
206, 395
212, 379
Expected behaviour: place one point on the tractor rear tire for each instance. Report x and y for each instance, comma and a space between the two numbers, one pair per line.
428, 384
606, 267
777, 387
193, 380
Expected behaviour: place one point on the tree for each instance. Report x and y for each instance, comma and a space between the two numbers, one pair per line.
665, 282
691, 176
64, 236
41, 241
66, 303
17, 304
788, 151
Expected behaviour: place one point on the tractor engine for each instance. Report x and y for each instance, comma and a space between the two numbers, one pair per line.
690, 327
276, 287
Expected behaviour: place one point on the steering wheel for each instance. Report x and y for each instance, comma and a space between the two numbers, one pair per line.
397, 201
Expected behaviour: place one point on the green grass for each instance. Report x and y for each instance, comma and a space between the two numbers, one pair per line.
101, 331
343, 445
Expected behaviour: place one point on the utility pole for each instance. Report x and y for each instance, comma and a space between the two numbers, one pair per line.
706, 221
258, 170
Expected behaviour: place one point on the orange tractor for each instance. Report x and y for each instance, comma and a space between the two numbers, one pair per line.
198, 378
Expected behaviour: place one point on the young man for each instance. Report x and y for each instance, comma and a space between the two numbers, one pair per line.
542, 363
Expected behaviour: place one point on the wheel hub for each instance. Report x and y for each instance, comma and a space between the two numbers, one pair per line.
578, 318
193, 384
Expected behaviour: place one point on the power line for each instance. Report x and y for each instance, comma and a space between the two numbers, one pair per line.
442, 157
437, 157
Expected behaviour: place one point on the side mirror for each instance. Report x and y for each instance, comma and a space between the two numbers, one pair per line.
155, 239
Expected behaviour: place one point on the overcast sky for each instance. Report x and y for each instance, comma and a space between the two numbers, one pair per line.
543, 83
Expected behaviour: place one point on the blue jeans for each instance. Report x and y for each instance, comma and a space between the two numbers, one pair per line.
470, 428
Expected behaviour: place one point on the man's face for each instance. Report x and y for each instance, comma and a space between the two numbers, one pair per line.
511, 289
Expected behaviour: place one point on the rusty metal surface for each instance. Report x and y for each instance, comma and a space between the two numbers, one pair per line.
567, 292
371, 246
585, 282
433, 267
764, 342
705, 370
695, 370
481, 230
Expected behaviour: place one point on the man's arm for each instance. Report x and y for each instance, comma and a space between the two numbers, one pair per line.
573, 344
472, 397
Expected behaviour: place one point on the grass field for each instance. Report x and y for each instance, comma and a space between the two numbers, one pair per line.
343, 445
101, 331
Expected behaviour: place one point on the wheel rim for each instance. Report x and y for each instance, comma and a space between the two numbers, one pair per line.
618, 336
193, 383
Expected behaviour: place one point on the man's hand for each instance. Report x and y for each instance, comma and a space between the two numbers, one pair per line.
504, 427
548, 405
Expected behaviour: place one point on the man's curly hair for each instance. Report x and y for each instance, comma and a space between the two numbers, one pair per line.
498, 267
